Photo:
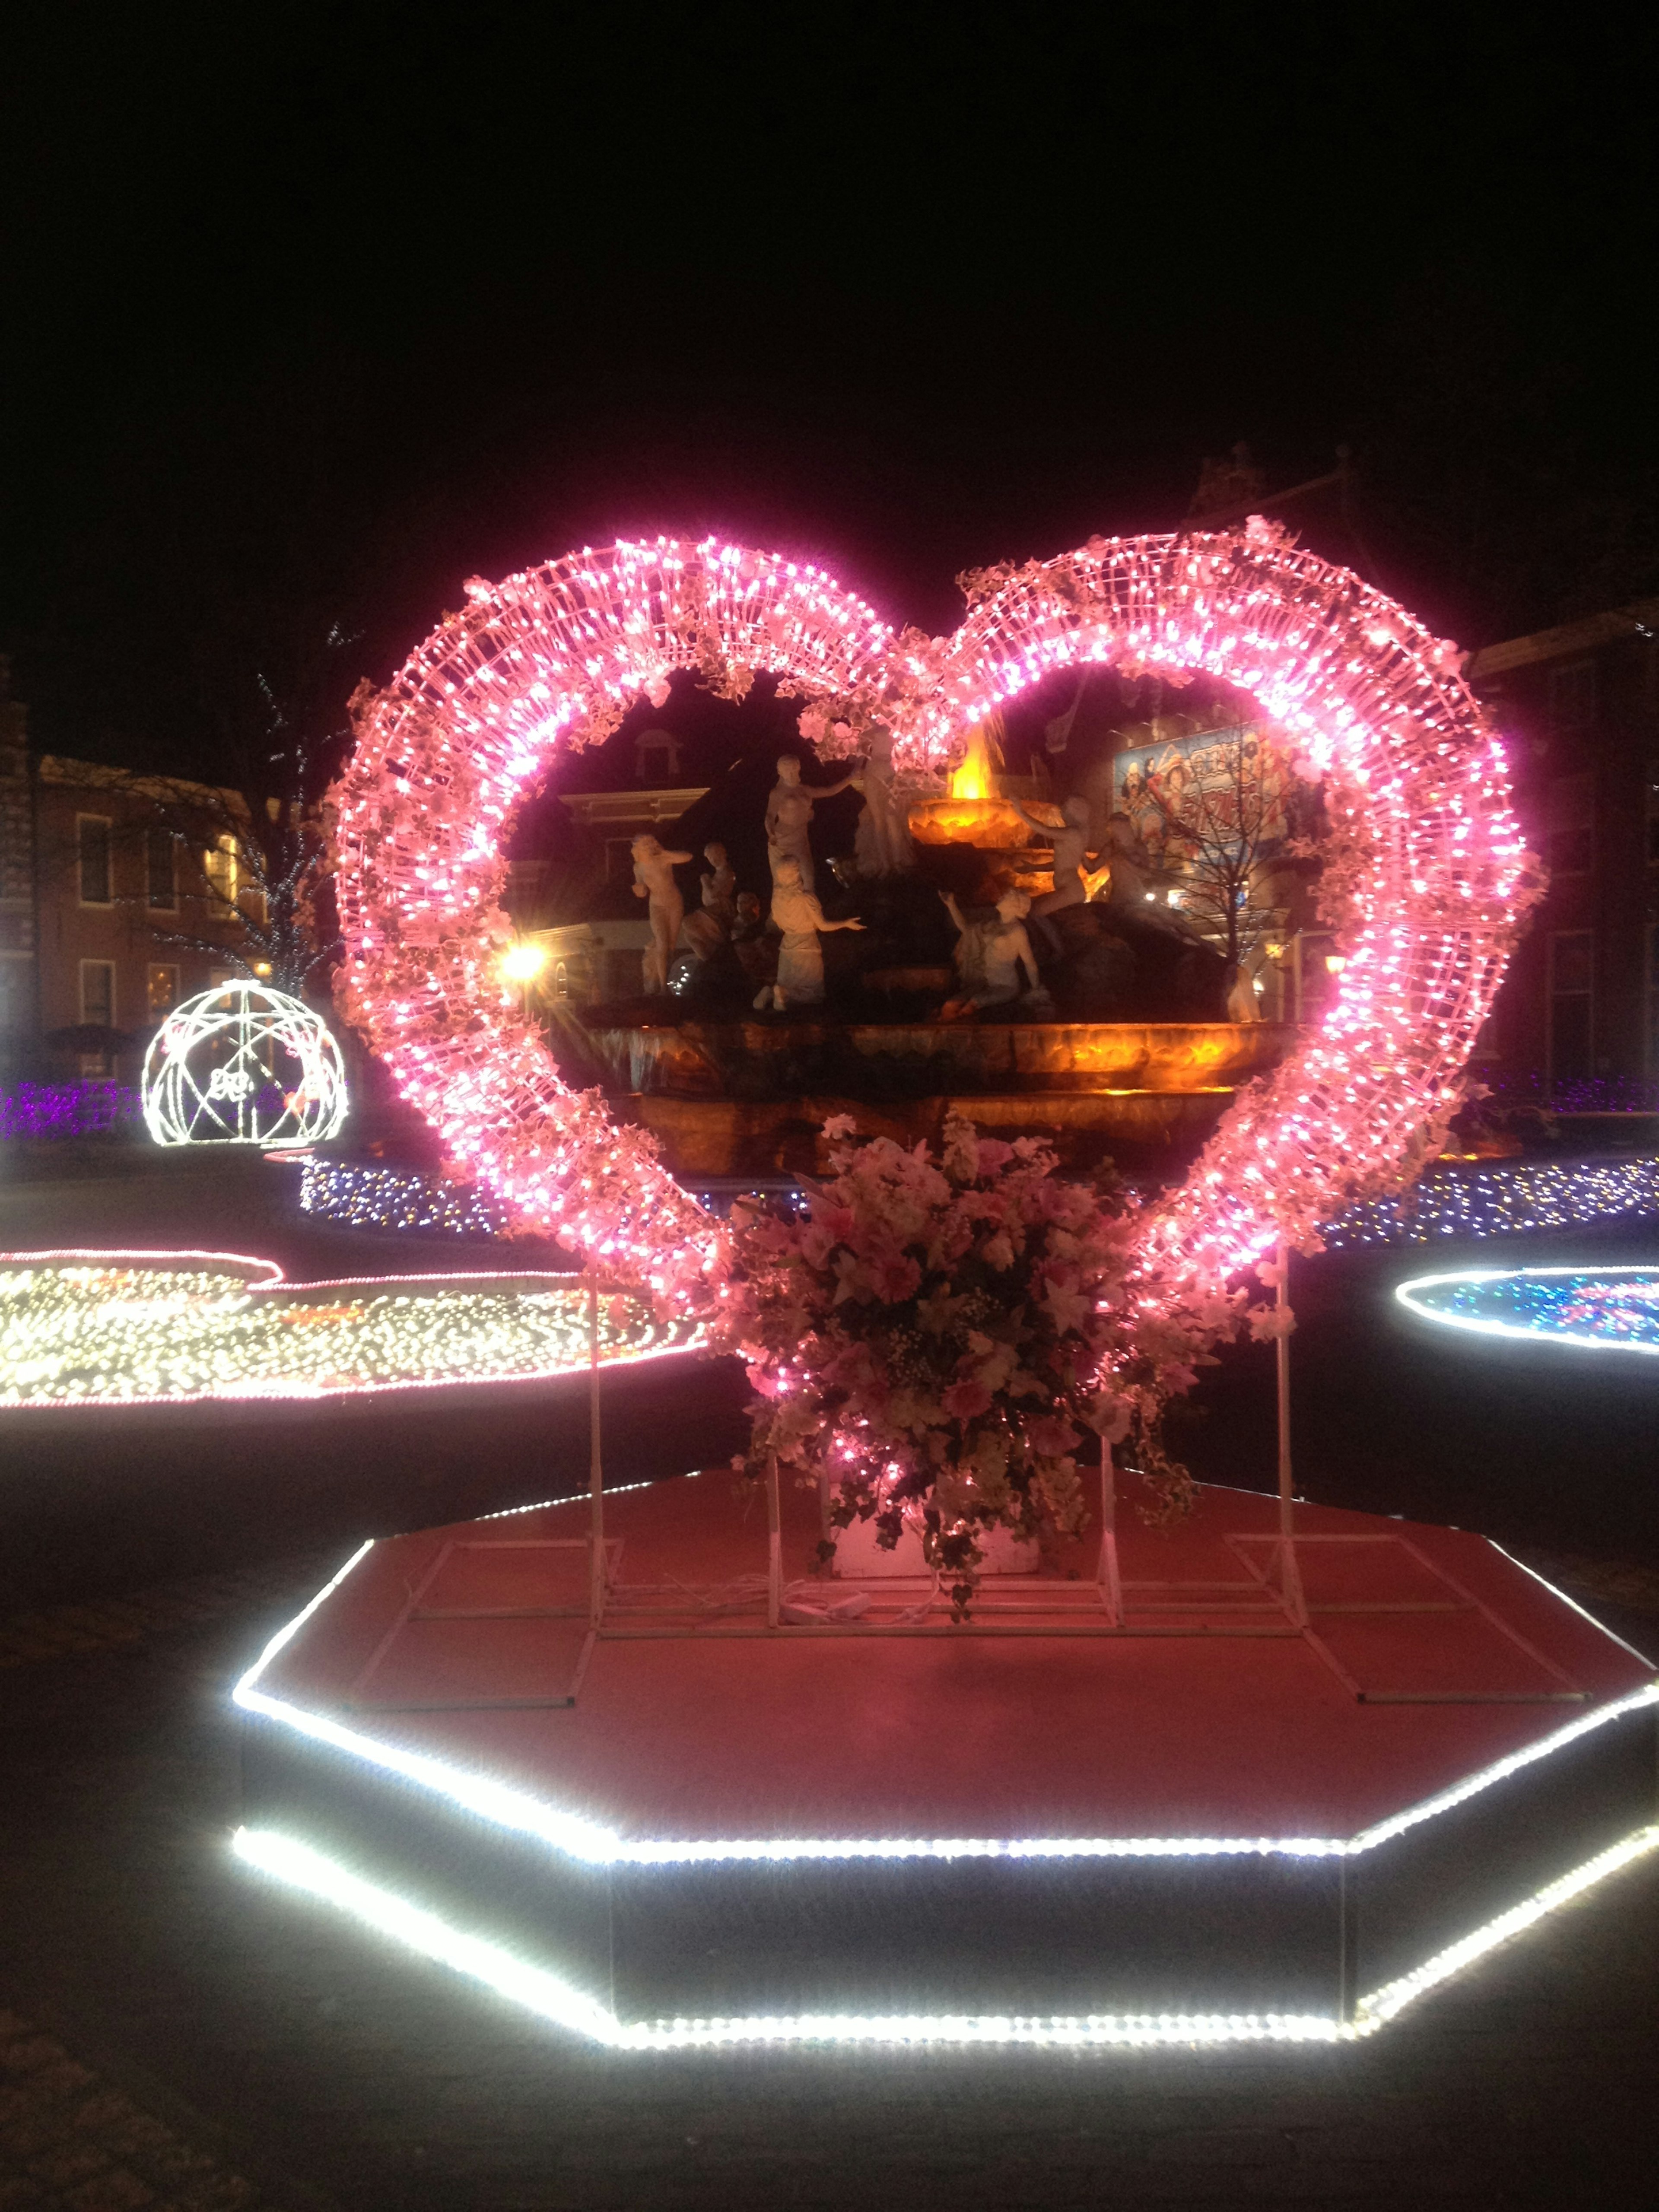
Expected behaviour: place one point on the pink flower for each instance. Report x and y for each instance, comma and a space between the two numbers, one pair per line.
1050, 1438
964, 1400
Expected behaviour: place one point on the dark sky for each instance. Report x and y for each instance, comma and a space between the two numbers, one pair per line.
310, 312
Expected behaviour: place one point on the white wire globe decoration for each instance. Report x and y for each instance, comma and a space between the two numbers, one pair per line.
243, 1065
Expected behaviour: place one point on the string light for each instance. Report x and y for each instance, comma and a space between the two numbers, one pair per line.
1604, 1309
556, 1998
406, 1199
66, 1110
1504, 1201
243, 1064
109, 1329
1431, 866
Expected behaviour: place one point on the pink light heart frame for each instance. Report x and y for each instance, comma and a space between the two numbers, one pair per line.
1435, 874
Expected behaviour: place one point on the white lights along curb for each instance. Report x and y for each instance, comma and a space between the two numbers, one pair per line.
1408, 1295
300, 1867
590, 1842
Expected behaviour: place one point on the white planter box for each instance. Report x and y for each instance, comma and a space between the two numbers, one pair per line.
858, 1556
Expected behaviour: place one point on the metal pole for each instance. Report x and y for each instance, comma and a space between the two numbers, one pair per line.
1111, 1590
595, 1467
1288, 1572
774, 1545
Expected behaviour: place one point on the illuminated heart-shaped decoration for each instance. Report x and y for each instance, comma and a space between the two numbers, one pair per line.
1427, 853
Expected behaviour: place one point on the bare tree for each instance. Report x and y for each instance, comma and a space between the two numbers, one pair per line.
1221, 812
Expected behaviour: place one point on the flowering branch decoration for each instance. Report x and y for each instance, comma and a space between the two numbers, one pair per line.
948, 1343
1436, 878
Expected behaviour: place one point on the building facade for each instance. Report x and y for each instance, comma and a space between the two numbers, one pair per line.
96, 871
1577, 1020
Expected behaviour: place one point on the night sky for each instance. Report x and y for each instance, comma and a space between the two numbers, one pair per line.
311, 313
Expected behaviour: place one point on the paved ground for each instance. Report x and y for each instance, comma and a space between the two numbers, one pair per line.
175, 2033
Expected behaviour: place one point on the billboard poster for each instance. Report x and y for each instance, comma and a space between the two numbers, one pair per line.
1229, 785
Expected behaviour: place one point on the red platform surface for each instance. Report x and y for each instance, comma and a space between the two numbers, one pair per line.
722, 1732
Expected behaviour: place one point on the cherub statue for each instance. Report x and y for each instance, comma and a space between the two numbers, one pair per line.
710, 926
789, 819
881, 846
990, 955
797, 914
653, 880
719, 886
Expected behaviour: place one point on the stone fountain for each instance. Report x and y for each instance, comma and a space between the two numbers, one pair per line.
1122, 1053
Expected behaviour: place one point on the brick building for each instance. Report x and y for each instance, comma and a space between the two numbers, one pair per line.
1579, 707
97, 865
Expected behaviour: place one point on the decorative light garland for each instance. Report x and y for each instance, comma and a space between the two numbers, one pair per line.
1506, 1200
67, 1109
590, 1843
120, 1329
559, 2001
1435, 874
407, 1199
244, 1064
1601, 1309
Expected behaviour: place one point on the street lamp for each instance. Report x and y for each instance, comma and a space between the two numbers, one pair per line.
521, 963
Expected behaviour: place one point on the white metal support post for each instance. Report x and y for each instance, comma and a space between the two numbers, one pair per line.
773, 1545
1111, 1588
1289, 1573
595, 1464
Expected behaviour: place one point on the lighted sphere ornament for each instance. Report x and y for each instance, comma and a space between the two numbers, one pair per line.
243, 1065
1424, 855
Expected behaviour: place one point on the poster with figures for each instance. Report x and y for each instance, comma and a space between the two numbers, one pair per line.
1222, 782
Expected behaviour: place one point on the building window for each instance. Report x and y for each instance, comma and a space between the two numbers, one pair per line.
1570, 822
1572, 696
619, 859
92, 835
1572, 1007
560, 979
219, 866
160, 894
97, 993
163, 988
656, 757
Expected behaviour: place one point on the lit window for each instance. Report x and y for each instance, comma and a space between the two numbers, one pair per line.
93, 834
163, 988
219, 866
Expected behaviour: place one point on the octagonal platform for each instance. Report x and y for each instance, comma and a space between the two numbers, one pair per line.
1191, 1818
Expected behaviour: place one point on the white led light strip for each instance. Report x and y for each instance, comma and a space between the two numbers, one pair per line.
1478, 1326
593, 1844
556, 1999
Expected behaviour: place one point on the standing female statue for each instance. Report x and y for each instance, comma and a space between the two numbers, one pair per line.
881, 846
653, 880
789, 819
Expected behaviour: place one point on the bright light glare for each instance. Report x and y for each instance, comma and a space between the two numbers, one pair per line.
522, 963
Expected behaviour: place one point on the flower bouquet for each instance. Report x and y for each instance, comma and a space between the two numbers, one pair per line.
945, 1343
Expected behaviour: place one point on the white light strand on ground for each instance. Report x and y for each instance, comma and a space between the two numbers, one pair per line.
107, 1332
589, 1841
297, 1863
